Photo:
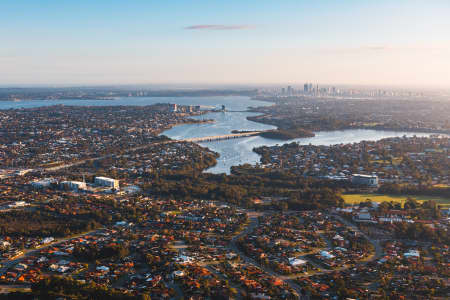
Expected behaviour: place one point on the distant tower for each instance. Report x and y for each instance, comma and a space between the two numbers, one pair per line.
173, 107
289, 90
305, 88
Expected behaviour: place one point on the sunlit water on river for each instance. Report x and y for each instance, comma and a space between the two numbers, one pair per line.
232, 152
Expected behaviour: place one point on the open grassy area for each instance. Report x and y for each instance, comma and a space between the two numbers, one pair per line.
395, 161
357, 198
441, 185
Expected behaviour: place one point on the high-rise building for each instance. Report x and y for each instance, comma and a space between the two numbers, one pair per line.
305, 88
173, 107
289, 90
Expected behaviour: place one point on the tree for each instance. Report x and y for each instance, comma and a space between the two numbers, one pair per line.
411, 203
145, 296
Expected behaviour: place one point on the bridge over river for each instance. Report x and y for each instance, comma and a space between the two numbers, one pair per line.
222, 137
112, 155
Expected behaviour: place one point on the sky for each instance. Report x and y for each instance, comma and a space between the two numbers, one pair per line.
361, 42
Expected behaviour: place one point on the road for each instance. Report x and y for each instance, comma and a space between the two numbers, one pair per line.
30, 252
375, 243
289, 279
80, 162
233, 246
191, 140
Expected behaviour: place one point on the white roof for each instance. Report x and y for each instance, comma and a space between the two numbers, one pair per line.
326, 254
105, 178
296, 261
103, 268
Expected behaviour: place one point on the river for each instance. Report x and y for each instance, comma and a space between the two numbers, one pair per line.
232, 152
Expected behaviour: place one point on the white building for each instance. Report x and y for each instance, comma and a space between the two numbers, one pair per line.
296, 261
74, 185
47, 240
109, 182
326, 254
17, 204
368, 180
44, 183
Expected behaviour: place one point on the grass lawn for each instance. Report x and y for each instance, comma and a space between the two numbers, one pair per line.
441, 185
357, 198
395, 161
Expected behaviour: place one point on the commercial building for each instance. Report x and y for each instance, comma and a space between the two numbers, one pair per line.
105, 181
305, 88
289, 90
44, 183
368, 180
173, 107
73, 185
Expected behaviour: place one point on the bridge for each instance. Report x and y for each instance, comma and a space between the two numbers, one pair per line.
192, 140
222, 137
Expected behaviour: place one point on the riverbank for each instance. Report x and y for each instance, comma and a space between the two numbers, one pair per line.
287, 134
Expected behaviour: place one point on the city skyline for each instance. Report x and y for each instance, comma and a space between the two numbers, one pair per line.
239, 42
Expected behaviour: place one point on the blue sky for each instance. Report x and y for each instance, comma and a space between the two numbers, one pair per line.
403, 42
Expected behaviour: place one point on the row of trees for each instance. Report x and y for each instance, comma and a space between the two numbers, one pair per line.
94, 252
301, 192
405, 189
41, 224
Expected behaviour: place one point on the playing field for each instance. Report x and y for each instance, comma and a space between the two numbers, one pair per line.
357, 198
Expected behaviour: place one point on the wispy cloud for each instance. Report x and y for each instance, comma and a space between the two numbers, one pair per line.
217, 27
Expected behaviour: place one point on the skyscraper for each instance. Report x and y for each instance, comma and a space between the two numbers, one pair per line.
289, 90
305, 88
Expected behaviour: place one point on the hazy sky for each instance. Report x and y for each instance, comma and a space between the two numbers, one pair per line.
376, 42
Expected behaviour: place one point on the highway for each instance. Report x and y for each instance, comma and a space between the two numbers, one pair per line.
189, 140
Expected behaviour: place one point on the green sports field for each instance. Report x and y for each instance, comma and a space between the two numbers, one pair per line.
357, 198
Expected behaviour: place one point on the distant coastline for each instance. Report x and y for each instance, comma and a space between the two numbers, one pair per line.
27, 94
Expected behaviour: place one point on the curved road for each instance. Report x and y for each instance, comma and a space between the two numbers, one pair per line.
253, 224
289, 279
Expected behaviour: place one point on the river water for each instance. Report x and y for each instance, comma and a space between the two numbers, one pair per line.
232, 152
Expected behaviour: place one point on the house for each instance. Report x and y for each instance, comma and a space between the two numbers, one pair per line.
296, 261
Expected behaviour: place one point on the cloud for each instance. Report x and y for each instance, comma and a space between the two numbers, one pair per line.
217, 27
